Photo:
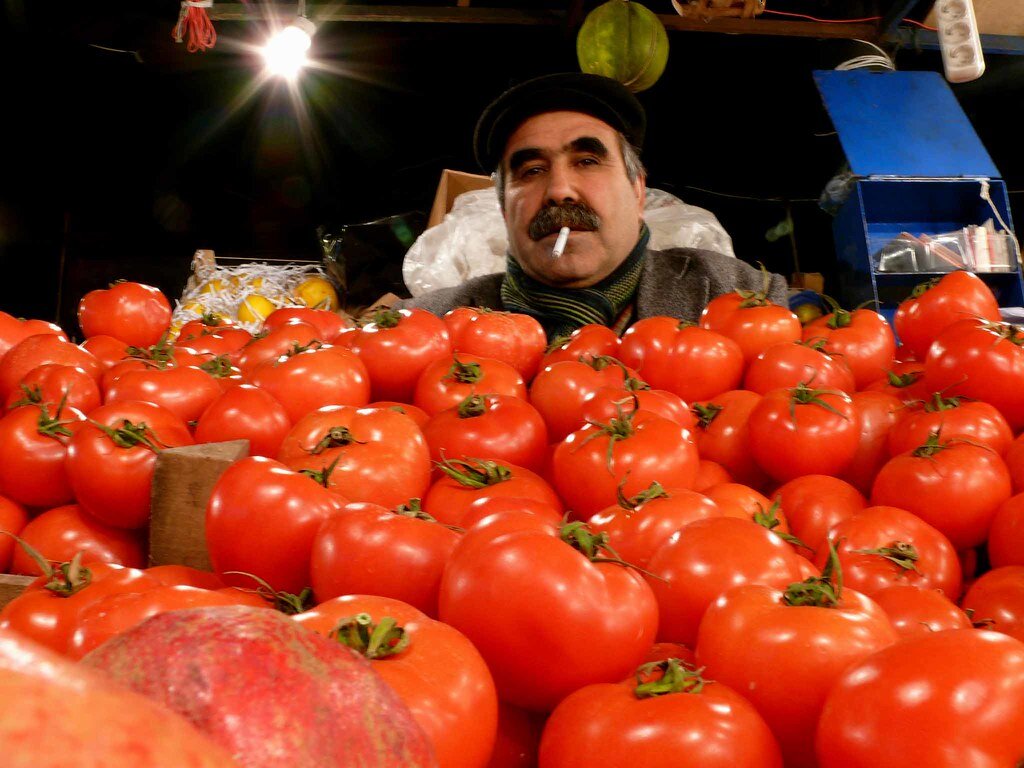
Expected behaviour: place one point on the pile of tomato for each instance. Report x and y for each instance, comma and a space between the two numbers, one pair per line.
746, 542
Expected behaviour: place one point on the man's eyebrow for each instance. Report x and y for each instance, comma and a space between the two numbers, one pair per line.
588, 145
522, 156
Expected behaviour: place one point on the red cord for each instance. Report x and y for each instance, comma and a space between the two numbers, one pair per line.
195, 25
842, 21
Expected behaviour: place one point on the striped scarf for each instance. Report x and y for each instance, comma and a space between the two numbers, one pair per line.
563, 310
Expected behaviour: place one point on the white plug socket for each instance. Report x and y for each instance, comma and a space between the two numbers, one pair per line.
959, 41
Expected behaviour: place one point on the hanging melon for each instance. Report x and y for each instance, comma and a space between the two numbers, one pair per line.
625, 41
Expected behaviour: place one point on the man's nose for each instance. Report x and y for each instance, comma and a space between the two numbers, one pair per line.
561, 186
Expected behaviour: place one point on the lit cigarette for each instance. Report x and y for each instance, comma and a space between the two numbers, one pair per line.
563, 238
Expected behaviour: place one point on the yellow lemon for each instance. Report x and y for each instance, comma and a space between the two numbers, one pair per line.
316, 292
255, 308
194, 306
213, 286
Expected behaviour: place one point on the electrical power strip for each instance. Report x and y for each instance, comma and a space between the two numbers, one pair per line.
962, 57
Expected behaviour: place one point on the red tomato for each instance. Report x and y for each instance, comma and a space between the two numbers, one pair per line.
397, 346
739, 500
446, 383
262, 518
955, 487
373, 455
675, 720
245, 412
1006, 533
499, 427
518, 739
54, 384
560, 391
135, 313
752, 321
996, 600
908, 705
33, 450
793, 362
637, 530
184, 390
465, 483
485, 506
511, 337
803, 431
528, 571
694, 363
275, 343
106, 349
435, 670
12, 519
41, 349
722, 434
914, 611
60, 533
225, 341
754, 635
980, 361
609, 402
589, 340
13, 330
904, 381
706, 557
936, 304
710, 474
314, 378
882, 546
329, 325
815, 503
950, 417
418, 415
1015, 463
118, 613
863, 338
111, 459
877, 413
369, 549
184, 575
596, 463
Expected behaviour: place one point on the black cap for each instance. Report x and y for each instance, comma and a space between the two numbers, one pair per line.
601, 97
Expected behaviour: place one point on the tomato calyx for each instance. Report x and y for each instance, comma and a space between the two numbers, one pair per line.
769, 518
386, 318
67, 578
660, 678
922, 288
283, 602
802, 394
759, 298
595, 547
475, 473
654, 491
824, 591
472, 406
53, 426
30, 395
633, 384
938, 403
901, 380
321, 476
159, 355
600, 362
129, 435
619, 427
463, 373
931, 446
219, 367
706, 413
336, 437
372, 641
297, 348
900, 553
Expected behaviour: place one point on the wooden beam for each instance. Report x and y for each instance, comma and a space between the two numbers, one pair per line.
229, 11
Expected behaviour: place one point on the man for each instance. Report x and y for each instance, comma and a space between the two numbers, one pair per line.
566, 152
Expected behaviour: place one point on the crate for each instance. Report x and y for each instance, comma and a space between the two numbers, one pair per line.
918, 167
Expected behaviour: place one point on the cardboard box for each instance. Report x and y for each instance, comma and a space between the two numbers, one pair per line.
809, 281
453, 184
11, 586
183, 480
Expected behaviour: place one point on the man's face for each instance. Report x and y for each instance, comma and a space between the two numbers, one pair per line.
566, 168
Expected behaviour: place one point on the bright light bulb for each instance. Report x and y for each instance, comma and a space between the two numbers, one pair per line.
285, 52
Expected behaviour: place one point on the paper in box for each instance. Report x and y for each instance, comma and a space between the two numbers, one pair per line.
453, 184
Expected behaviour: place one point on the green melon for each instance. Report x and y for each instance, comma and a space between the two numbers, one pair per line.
625, 41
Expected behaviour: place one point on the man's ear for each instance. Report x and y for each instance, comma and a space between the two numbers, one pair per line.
640, 187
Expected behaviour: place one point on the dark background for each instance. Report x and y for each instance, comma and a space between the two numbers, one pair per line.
121, 164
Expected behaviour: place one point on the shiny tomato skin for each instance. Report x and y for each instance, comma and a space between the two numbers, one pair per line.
505, 588
486, 506
449, 499
41, 349
694, 363
328, 324
440, 676
877, 413
815, 503
111, 482
106, 349
742, 501
996, 600
511, 337
593, 465
13, 518
14, 329
313, 379
973, 707
914, 611
172, 575
934, 305
589, 340
261, 519
863, 338
1005, 542
184, 390
245, 412
791, 362
608, 402
975, 421
447, 382
956, 490
33, 454
397, 347
499, 427
713, 727
904, 381
276, 342
561, 390
858, 538
1015, 463
52, 383
754, 327
709, 474
368, 549
135, 313
723, 435
751, 640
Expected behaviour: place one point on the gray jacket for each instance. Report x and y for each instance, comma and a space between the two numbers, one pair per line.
678, 282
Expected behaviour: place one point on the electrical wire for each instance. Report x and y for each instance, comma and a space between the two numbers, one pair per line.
843, 21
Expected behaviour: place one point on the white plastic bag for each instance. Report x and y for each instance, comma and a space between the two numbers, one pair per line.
472, 241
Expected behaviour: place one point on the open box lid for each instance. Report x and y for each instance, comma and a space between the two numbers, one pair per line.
902, 124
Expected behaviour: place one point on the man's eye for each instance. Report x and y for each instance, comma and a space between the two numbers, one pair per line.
532, 170
588, 161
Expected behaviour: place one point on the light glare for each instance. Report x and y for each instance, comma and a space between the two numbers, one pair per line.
285, 52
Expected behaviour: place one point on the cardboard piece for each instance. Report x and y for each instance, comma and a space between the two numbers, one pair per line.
183, 480
810, 281
453, 184
11, 586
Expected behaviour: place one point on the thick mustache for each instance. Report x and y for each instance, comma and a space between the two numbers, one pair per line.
573, 215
